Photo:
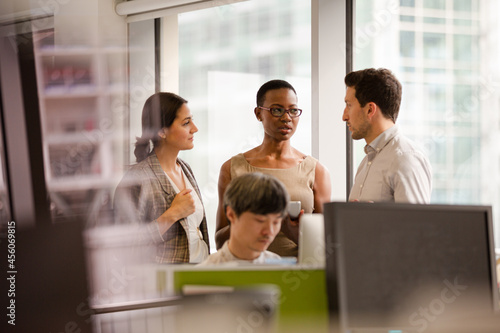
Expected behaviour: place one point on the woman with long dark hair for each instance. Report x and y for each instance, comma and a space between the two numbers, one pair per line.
161, 190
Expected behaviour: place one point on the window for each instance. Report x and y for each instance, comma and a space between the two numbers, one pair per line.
407, 44
450, 92
434, 45
244, 45
435, 4
270, 39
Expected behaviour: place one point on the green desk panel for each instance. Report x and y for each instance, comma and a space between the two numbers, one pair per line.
303, 303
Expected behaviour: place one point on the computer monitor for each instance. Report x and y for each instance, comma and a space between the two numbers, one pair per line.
404, 267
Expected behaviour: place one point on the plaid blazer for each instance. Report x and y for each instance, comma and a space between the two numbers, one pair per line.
143, 195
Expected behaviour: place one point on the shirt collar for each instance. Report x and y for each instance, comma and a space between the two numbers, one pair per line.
382, 140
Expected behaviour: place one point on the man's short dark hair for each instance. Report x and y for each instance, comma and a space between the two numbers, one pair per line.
256, 193
272, 85
379, 86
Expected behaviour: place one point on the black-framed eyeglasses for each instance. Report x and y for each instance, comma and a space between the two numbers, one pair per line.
278, 112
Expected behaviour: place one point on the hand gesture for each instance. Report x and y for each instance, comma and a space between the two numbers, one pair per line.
183, 203
290, 227
182, 206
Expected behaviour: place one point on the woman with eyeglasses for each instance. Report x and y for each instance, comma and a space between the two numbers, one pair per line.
305, 178
160, 191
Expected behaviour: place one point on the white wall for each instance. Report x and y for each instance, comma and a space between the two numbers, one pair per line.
81, 22
328, 89
9, 8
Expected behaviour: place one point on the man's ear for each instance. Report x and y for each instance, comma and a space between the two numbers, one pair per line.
231, 214
372, 109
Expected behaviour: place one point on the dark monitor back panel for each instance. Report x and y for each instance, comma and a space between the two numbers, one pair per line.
405, 266
49, 281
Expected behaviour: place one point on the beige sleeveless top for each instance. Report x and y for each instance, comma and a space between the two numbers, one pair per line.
299, 182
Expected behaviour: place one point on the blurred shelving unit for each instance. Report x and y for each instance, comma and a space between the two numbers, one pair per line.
81, 91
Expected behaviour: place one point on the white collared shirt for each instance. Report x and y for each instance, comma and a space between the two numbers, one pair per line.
393, 170
198, 249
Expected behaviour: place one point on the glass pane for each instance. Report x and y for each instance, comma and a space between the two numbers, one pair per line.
407, 3
462, 22
226, 54
466, 106
407, 44
435, 4
462, 5
435, 102
450, 94
465, 48
434, 45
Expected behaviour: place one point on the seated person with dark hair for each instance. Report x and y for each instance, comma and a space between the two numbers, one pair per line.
255, 205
